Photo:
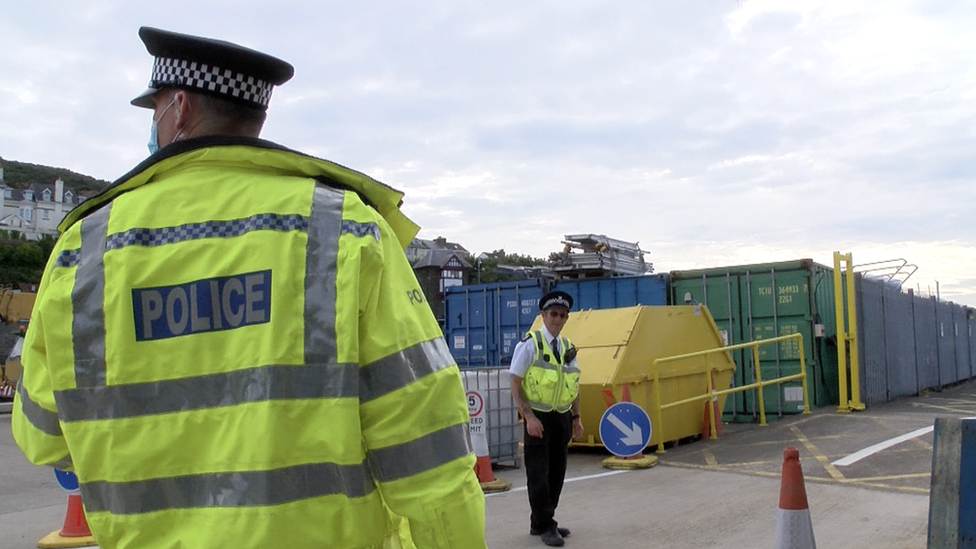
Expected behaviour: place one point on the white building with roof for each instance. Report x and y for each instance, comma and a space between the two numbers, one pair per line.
36, 210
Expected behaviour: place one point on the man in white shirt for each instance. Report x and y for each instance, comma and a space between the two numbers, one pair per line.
545, 384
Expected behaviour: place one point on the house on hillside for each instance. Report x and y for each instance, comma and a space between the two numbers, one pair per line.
36, 210
438, 264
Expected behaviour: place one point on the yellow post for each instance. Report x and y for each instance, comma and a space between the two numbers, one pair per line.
803, 370
762, 404
710, 403
855, 403
842, 402
657, 408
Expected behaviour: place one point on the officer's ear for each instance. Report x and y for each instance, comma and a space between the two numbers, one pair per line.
184, 109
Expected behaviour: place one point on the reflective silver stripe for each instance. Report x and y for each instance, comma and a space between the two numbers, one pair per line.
543, 365
278, 382
399, 369
229, 489
88, 323
421, 454
320, 275
545, 407
44, 420
540, 406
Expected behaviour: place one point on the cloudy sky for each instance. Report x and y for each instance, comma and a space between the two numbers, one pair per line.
713, 133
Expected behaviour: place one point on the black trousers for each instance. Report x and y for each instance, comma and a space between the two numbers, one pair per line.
545, 466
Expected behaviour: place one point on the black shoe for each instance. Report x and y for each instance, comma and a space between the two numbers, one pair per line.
564, 532
552, 538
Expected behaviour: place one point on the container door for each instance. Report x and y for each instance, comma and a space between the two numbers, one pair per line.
616, 292
651, 290
824, 385
466, 314
720, 293
777, 304
518, 306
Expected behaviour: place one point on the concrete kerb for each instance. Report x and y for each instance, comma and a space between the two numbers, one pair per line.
6, 407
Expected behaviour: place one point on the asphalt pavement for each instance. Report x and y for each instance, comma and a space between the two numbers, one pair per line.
867, 480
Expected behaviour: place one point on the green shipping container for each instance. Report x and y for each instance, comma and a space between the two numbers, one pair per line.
753, 302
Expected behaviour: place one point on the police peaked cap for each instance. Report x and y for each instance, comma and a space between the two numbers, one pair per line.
556, 298
214, 67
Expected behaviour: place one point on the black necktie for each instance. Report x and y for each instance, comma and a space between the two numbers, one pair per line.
555, 347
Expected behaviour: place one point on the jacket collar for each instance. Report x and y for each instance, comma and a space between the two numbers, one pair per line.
268, 155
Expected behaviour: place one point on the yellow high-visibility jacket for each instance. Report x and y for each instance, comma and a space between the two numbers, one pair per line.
231, 350
551, 382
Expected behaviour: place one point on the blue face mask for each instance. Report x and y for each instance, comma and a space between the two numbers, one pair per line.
154, 130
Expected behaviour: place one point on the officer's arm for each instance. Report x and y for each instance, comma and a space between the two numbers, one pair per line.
34, 422
576, 401
521, 356
413, 411
519, 395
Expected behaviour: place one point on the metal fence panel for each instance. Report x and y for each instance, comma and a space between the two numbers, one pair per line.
947, 344
501, 413
960, 330
971, 327
926, 343
900, 344
972, 341
871, 340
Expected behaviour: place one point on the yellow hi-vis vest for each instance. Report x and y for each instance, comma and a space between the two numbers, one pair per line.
230, 349
550, 382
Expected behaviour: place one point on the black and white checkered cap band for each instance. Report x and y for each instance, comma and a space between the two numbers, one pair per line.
190, 74
556, 300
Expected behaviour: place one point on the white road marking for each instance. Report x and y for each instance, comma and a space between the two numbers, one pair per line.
587, 477
861, 454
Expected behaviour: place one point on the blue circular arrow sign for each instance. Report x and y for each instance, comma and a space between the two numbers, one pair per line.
66, 479
625, 429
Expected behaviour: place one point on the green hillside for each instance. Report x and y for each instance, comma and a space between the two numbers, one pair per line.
21, 174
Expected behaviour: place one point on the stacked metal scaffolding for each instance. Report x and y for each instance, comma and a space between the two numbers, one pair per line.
596, 255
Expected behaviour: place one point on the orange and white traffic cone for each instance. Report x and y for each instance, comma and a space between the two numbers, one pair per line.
479, 440
74, 532
794, 528
489, 482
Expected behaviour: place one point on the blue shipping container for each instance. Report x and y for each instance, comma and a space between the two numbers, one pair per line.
483, 322
619, 291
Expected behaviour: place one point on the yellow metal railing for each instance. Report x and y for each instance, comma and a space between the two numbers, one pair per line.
846, 335
710, 396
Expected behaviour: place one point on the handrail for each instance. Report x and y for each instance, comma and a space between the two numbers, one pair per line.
711, 394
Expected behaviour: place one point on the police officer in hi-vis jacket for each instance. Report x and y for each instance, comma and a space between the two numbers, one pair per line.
226, 345
545, 384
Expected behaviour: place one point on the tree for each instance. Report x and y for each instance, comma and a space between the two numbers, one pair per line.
22, 261
496, 266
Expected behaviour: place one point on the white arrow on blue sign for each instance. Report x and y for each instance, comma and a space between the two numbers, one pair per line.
625, 429
67, 480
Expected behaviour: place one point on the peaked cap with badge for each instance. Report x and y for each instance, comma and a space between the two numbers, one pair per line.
214, 67
556, 298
